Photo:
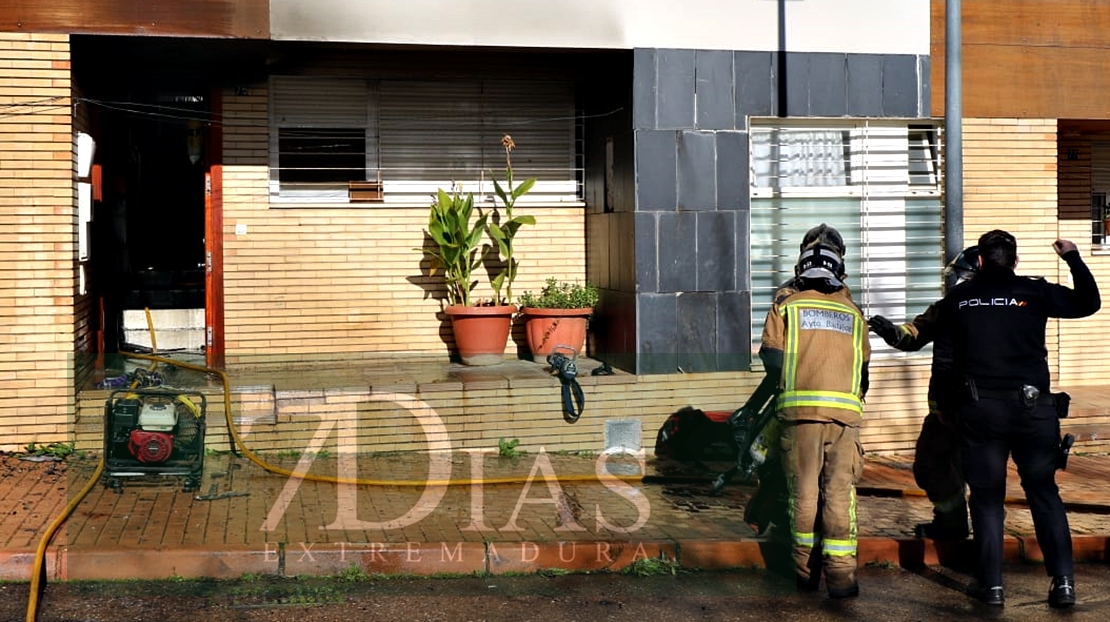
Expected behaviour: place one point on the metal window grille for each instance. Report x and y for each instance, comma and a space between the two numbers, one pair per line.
878, 182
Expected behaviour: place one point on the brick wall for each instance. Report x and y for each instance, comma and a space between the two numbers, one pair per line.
1010, 183
1019, 177
38, 217
304, 281
1083, 361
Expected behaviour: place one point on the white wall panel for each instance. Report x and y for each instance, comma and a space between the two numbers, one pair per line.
860, 26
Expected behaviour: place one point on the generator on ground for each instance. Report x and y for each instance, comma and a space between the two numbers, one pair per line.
154, 432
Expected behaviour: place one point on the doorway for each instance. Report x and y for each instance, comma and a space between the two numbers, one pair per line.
149, 229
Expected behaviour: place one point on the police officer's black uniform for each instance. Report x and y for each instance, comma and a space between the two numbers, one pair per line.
996, 322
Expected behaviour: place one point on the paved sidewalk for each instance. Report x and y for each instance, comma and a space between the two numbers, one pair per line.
247, 520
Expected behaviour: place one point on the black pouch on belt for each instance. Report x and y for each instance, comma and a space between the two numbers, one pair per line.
1029, 396
1062, 401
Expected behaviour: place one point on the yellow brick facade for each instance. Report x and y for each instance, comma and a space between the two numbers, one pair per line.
1018, 177
307, 281
38, 216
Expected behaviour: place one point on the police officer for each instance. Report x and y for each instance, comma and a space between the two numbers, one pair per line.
815, 344
936, 462
996, 322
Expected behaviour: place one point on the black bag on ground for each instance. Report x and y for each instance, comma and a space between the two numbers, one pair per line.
692, 434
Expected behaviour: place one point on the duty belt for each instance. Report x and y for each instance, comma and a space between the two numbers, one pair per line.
1001, 394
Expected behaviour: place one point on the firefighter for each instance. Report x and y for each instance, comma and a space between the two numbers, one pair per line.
936, 462
996, 323
815, 344
768, 506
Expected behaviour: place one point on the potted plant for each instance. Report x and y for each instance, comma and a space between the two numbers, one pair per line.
502, 227
558, 316
481, 328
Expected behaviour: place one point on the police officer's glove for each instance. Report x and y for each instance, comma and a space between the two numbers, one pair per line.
885, 329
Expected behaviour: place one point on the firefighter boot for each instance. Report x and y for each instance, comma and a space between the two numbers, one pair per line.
841, 582
949, 522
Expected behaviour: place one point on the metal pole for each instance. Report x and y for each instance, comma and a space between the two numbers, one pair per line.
953, 132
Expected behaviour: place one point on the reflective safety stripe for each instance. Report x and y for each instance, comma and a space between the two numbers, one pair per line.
904, 337
790, 396
805, 539
828, 399
838, 548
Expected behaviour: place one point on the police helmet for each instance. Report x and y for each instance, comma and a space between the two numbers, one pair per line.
826, 235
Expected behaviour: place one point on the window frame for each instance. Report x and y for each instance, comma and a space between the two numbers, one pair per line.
882, 194
565, 189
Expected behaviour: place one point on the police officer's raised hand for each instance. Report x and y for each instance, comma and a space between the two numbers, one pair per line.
884, 328
1064, 246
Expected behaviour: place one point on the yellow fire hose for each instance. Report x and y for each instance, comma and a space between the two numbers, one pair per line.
38, 572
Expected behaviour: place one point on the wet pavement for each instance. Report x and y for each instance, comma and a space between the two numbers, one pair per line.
548, 511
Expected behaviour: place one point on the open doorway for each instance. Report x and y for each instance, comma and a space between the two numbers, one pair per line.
148, 237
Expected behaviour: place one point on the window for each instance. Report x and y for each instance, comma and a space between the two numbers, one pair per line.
323, 135
417, 135
878, 182
1098, 216
1100, 190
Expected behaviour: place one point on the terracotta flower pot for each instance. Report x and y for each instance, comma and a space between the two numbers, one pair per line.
547, 328
481, 333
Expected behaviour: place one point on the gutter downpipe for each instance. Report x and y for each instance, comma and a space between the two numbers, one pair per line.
953, 130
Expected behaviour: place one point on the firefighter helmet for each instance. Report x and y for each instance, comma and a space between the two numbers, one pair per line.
826, 235
821, 263
962, 267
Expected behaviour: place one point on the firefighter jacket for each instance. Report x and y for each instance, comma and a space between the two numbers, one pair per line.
996, 322
822, 343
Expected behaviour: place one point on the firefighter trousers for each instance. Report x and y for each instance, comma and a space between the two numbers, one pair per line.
937, 469
823, 462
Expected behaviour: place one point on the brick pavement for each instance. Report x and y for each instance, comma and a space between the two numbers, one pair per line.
256, 521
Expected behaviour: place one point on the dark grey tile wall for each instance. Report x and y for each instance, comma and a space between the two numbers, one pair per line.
754, 82
697, 331
691, 226
865, 79
713, 90
733, 189
674, 93
657, 332
733, 347
678, 235
656, 172
697, 153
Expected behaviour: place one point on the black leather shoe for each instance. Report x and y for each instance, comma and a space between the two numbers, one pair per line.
846, 592
1062, 593
990, 595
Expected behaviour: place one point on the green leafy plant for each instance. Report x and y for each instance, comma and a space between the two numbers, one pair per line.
55, 450
651, 566
561, 295
353, 574
508, 448
503, 227
455, 243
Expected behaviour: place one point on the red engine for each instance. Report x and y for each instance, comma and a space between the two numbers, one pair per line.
150, 447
